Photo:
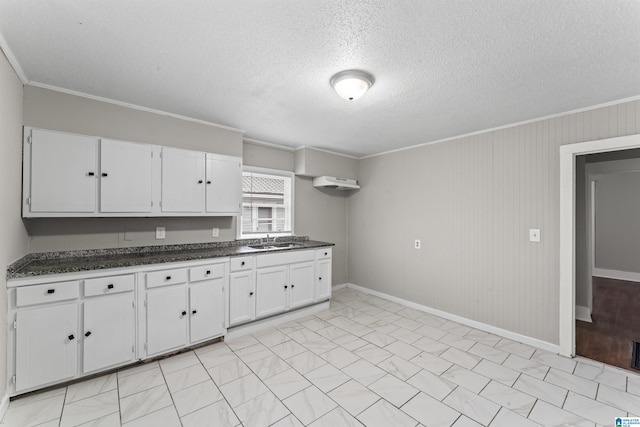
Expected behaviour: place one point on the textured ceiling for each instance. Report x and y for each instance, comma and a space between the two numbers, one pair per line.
442, 68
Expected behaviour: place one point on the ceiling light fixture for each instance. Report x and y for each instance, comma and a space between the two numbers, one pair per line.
351, 84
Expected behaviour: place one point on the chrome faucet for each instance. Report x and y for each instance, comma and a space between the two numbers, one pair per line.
268, 240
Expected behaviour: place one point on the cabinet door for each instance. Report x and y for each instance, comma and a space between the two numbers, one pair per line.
206, 309
323, 283
241, 297
46, 345
63, 172
182, 180
224, 184
109, 331
272, 288
126, 174
302, 279
167, 315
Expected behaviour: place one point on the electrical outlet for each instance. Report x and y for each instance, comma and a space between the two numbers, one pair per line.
534, 235
160, 233
417, 244
128, 236
215, 232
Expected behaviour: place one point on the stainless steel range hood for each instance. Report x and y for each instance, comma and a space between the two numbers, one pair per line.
335, 183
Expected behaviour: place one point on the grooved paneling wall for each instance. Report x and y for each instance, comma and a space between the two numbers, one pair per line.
13, 241
471, 201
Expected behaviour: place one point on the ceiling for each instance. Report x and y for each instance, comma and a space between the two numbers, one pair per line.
443, 68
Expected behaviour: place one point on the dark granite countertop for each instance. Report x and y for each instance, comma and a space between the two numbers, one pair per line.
45, 263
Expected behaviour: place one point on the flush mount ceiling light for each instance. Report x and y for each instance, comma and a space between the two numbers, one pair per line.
351, 84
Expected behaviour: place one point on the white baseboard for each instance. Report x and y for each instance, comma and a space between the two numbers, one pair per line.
630, 276
337, 287
249, 328
4, 405
554, 348
583, 313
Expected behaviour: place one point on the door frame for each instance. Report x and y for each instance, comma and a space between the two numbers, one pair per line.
567, 284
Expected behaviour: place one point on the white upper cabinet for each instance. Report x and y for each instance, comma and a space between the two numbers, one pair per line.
182, 180
126, 176
69, 175
223, 184
64, 173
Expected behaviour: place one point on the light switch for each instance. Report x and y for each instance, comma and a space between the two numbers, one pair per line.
534, 235
160, 233
215, 232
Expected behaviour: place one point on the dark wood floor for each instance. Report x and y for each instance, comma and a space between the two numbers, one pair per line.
616, 323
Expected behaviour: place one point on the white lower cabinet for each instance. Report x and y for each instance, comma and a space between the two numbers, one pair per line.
206, 310
271, 284
242, 301
302, 279
46, 345
166, 319
323, 274
109, 331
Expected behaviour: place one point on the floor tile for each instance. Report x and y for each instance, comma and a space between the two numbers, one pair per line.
287, 349
602, 375
270, 337
572, 382
253, 353
430, 346
464, 421
372, 353
178, 362
309, 404
364, 372
241, 342
431, 384
90, 408
489, 353
519, 349
466, 378
384, 414
336, 418
215, 357
393, 390
187, 377
496, 372
228, 371
506, 418
165, 417
339, 357
379, 339
460, 357
286, 383
92, 387
145, 402
196, 397
331, 332
314, 324
482, 337
268, 366
594, 411
429, 411
431, 363
140, 381
456, 328
473, 406
306, 362
430, 332
618, 399
137, 368
402, 349
526, 366
406, 335
215, 415
264, 410
516, 401
327, 377
458, 342
243, 389
553, 360
542, 390
353, 396
34, 412
290, 421
550, 415
399, 367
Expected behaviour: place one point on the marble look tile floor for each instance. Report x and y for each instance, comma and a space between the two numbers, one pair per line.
365, 361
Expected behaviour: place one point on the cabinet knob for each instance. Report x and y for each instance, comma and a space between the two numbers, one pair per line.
90, 173
285, 286
326, 253
71, 337
242, 263
110, 286
50, 291
208, 272
291, 286
87, 333
208, 182
319, 278
167, 278
184, 313
199, 181
250, 294
104, 174
194, 311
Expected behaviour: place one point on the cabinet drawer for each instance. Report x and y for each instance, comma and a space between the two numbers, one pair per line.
241, 263
166, 277
282, 258
108, 285
206, 272
324, 253
50, 292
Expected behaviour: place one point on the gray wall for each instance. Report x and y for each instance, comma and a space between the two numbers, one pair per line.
617, 221
472, 201
13, 243
320, 214
54, 110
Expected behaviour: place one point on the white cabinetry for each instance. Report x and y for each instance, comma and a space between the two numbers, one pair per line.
223, 184
302, 279
242, 303
323, 274
63, 175
207, 302
272, 288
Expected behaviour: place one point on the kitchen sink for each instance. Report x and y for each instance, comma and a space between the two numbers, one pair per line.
268, 246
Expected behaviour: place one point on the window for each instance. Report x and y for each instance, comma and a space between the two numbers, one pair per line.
267, 203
